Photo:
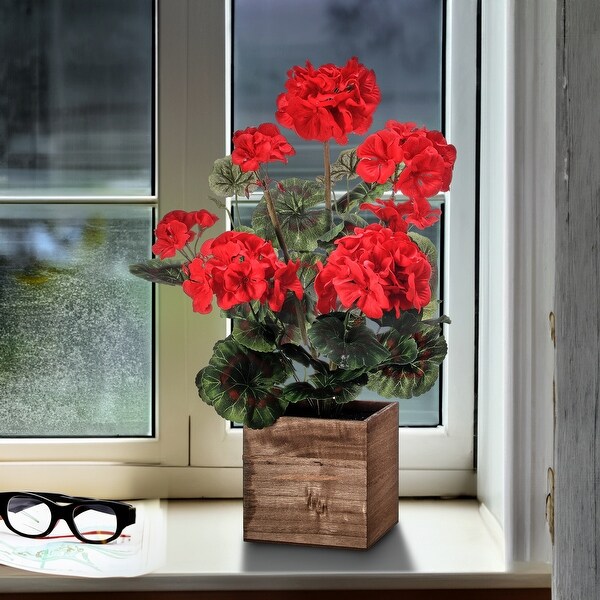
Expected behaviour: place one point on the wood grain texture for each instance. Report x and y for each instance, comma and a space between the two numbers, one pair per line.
323, 482
577, 433
455, 594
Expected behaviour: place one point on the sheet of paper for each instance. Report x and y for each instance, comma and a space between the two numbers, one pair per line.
140, 549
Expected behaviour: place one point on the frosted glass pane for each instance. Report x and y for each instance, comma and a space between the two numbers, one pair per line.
77, 97
400, 39
75, 327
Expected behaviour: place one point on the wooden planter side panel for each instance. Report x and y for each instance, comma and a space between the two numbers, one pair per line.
305, 502
382, 473
305, 482
303, 437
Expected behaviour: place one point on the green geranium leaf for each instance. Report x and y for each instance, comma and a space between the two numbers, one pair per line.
348, 346
200, 387
402, 348
345, 165
158, 271
408, 322
363, 192
340, 385
256, 336
442, 320
418, 376
326, 386
243, 385
354, 219
300, 355
302, 222
227, 179
333, 232
299, 391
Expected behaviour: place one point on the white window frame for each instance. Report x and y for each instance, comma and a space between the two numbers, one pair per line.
196, 453
436, 460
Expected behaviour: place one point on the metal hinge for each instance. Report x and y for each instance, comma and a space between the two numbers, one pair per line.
550, 503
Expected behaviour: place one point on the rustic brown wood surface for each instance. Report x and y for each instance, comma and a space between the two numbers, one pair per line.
577, 432
456, 594
323, 482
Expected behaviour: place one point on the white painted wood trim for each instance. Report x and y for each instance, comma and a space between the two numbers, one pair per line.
517, 271
158, 481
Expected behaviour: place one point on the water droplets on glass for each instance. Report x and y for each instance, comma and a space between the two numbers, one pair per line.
75, 326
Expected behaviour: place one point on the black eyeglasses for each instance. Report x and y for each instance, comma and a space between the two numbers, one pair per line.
92, 521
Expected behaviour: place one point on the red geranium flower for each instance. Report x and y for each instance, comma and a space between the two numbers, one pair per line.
241, 282
420, 213
379, 155
198, 287
241, 267
204, 219
377, 270
173, 228
285, 279
391, 213
423, 175
170, 237
405, 130
447, 152
328, 102
255, 146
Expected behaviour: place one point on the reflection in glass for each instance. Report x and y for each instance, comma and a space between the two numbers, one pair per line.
401, 40
76, 102
75, 326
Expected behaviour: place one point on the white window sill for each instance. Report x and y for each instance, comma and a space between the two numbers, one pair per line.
437, 544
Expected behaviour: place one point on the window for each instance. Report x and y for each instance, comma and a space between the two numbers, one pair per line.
193, 102
403, 45
443, 454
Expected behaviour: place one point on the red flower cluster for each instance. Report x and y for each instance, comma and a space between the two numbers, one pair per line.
377, 270
174, 230
328, 102
257, 145
239, 267
418, 162
397, 216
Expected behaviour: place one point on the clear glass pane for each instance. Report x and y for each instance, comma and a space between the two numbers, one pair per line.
77, 97
400, 39
75, 326
420, 411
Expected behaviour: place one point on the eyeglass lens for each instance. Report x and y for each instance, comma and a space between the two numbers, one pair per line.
95, 522
30, 516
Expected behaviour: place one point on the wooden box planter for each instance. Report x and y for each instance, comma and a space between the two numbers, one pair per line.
323, 482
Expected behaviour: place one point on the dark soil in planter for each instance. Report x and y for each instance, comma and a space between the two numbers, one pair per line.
347, 413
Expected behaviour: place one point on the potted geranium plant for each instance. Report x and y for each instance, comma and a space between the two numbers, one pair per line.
322, 302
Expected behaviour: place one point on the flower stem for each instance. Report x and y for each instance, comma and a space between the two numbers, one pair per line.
276, 224
286, 255
327, 174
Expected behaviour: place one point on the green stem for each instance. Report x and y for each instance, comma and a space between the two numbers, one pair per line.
327, 174
276, 225
286, 255
237, 211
